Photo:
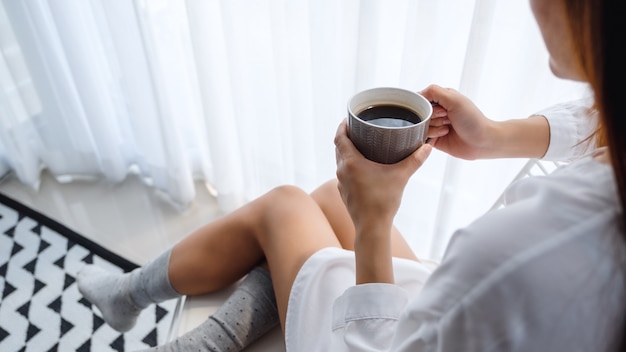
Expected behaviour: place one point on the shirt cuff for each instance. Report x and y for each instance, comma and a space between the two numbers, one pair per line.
570, 124
369, 301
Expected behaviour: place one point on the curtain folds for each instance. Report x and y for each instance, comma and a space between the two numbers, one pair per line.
246, 95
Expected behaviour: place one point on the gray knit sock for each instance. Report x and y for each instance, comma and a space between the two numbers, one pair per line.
121, 297
246, 315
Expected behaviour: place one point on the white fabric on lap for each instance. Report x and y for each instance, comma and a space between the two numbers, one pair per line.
324, 277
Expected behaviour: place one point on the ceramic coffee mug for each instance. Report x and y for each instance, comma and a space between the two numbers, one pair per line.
388, 124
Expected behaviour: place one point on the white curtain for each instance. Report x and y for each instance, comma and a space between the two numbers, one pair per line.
247, 94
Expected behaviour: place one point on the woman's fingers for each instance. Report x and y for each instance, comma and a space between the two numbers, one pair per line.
437, 131
417, 159
343, 143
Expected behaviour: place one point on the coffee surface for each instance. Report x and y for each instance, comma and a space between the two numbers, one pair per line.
389, 116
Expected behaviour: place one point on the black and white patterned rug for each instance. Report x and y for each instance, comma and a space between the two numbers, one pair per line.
40, 307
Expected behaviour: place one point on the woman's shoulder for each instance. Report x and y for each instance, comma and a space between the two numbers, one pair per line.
551, 257
570, 216
576, 202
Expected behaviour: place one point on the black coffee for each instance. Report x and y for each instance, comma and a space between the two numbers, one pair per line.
389, 116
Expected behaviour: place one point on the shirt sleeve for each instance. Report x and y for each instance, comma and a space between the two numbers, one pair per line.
571, 124
365, 317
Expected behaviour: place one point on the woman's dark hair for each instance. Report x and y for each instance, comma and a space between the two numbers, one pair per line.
599, 38
598, 29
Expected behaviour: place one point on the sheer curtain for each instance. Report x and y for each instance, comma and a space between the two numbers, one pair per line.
246, 95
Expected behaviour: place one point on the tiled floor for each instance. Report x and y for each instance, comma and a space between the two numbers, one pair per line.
129, 218
132, 220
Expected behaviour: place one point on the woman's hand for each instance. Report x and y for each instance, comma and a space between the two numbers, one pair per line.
370, 190
457, 126
460, 129
372, 193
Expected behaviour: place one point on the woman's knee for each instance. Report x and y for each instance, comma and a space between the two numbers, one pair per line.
286, 201
287, 194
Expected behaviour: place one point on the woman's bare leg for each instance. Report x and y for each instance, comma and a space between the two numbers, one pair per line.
285, 227
329, 200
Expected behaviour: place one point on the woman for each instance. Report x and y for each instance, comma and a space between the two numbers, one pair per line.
545, 273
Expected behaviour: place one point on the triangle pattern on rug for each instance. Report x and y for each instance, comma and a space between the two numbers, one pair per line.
3, 334
40, 303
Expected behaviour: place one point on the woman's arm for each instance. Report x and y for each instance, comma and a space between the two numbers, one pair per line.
519, 138
460, 129
372, 193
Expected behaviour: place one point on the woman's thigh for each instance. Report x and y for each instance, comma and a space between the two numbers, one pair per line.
291, 228
284, 227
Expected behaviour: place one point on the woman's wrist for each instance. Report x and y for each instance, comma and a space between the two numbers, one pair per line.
372, 249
